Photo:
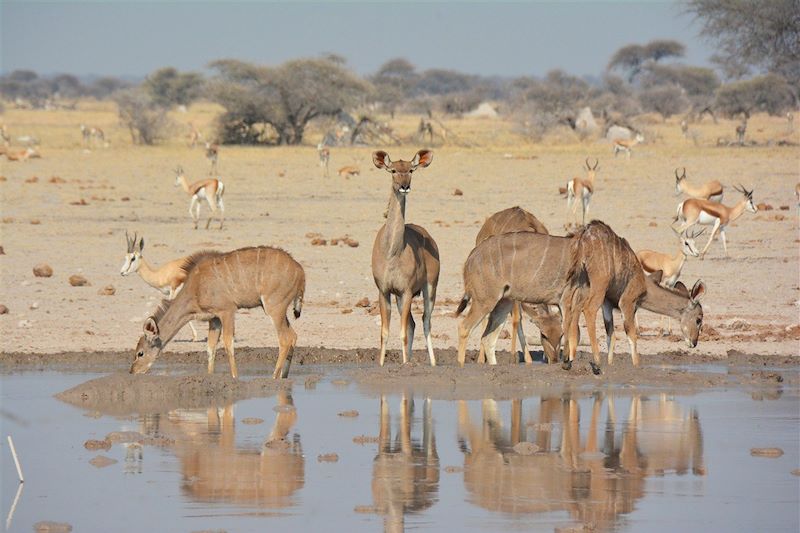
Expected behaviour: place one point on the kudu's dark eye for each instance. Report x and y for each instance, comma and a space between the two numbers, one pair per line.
393, 171
140, 354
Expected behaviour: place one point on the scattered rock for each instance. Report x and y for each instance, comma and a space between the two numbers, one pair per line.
76, 280
317, 241
784, 208
458, 192
363, 302
108, 290
93, 444
32, 179
34, 306
52, 527
328, 458
779, 217
57, 180
8, 220
3, 310
764, 207
653, 224
35, 221
766, 452
349, 414
24, 324
525, 448
453, 469
364, 439
82, 201
250, 421
125, 199
101, 461
346, 311
352, 243
124, 436
43, 270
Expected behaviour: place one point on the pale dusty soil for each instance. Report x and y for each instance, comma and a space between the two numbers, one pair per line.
278, 197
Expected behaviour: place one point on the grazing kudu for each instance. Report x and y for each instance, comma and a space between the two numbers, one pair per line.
211, 190
217, 285
695, 211
324, 154
547, 319
212, 154
168, 278
626, 145
710, 190
405, 258
581, 190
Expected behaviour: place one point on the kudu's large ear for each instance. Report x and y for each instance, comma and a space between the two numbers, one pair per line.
381, 159
698, 290
681, 288
150, 329
656, 276
422, 159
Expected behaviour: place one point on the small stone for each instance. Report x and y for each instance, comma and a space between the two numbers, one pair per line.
34, 306
93, 444
458, 192
250, 421
101, 461
328, 458
525, 448
125, 199
318, 242
108, 290
32, 179
43, 270
766, 452
349, 414
77, 280
764, 207
653, 224
24, 324
346, 311
3, 310
57, 180
352, 243
35, 221
784, 208
363, 302
82, 201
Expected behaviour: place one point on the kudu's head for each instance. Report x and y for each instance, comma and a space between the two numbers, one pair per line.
148, 348
401, 170
750, 206
692, 315
591, 170
179, 175
133, 257
548, 319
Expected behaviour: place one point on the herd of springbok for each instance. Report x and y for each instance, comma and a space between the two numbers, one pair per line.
516, 267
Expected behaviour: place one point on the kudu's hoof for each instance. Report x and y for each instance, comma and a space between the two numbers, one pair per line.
595, 368
567, 365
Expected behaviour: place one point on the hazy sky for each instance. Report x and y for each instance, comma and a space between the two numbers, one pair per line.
490, 38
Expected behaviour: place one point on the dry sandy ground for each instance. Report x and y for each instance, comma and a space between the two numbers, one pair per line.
278, 197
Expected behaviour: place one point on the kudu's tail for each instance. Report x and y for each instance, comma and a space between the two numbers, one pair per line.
463, 304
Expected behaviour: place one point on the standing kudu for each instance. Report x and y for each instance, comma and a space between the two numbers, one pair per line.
217, 286
405, 258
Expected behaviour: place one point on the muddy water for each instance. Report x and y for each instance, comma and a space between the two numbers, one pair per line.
611, 459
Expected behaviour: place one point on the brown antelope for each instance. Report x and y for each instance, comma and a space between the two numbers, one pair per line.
217, 285
405, 258
670, 266
168, 278
194, 136
741, 129
212, 154
625, 145
581, 190
324, 154
405, 472
710, 190
545, 317
22, 155
92, 135
695, 211
211, 190
350, 170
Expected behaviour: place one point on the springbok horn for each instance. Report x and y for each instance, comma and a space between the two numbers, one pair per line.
588, 166
596, 162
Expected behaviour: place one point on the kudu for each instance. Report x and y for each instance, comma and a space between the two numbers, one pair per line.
405, 258
211, 190
695, 211
217, 285
580, 190
168, 278
710, 190
546, 318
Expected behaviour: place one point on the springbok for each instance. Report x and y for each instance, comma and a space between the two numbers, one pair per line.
349, 170
218, 284
741, 129
710, 190
167, 279
22, 155
695, 211
194, 136
91, 134
324, 154
212, 154
405, 258
625, 145
210, 189
581, 190
670, 266
545, 317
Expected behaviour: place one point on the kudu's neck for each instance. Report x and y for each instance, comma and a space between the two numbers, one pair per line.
180, 311
663, 301
395, 224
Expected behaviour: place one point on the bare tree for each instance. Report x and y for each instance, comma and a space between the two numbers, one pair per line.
146, 120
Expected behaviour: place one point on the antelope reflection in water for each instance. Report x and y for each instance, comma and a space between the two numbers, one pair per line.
595, 482
405, 473
215, 469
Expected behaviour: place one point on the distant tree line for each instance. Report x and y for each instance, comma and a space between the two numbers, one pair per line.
757, 70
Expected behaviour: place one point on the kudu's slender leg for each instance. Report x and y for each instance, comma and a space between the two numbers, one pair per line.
475, 314
407, 324
429, 300
385, 306
496, 320
287, 338
627, 305
608, 322
590, 308
227, 320
214, 330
